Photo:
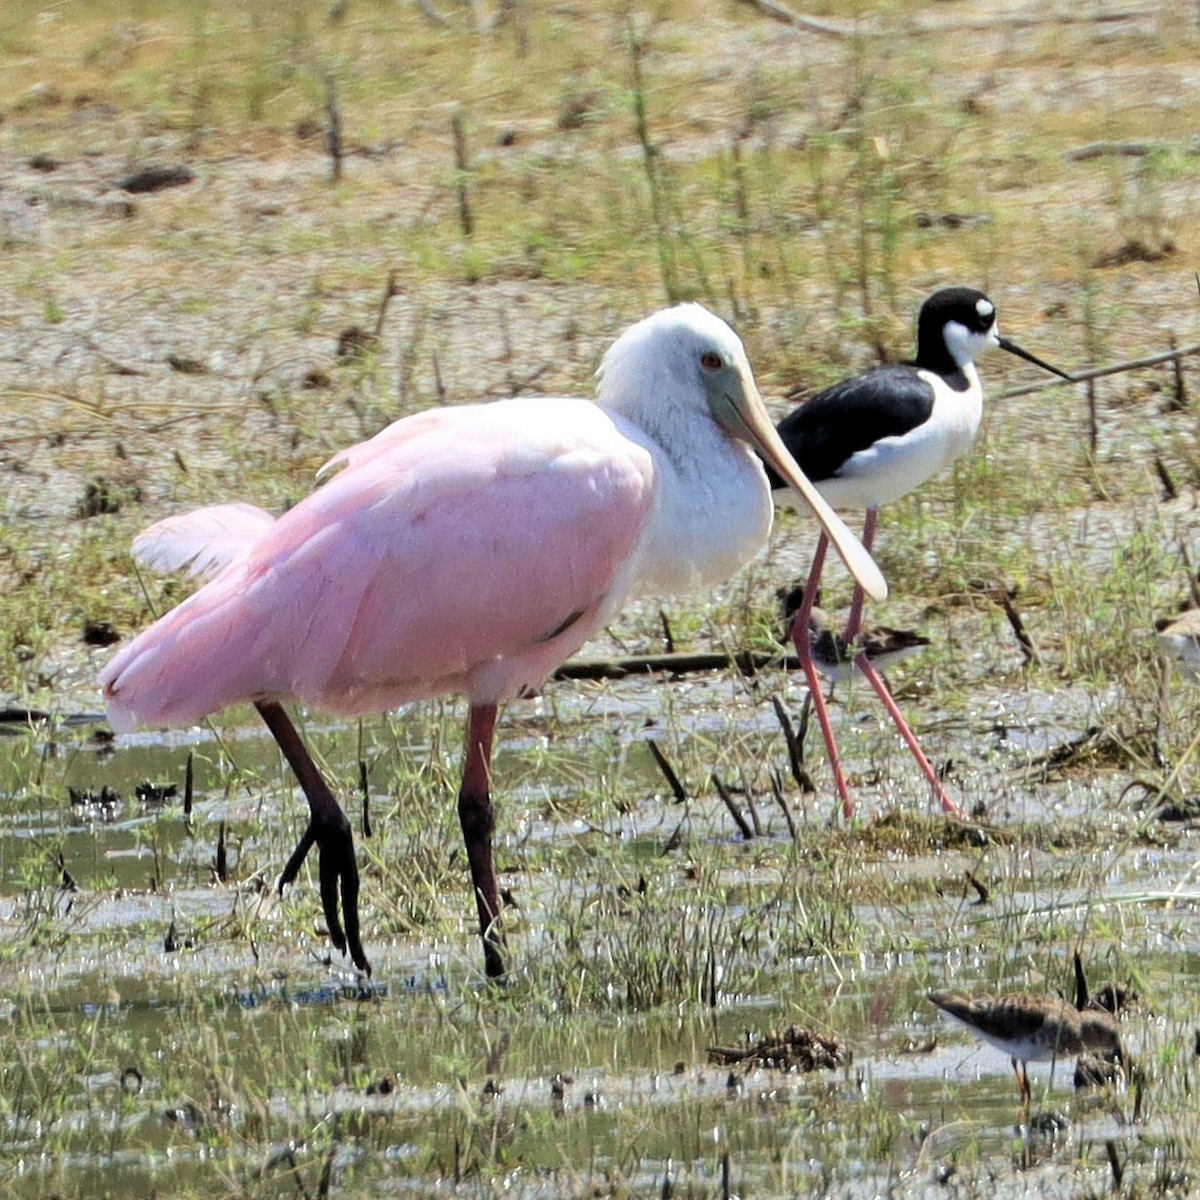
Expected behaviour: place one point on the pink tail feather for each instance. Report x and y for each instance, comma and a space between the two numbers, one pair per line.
193, 661
190, 662
204, 541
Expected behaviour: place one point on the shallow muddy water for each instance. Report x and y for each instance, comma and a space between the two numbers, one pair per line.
165, 1031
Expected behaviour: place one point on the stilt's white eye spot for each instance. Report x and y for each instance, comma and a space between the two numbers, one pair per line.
710, 360
985, 308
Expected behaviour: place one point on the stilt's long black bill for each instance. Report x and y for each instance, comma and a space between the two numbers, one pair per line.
1013, 348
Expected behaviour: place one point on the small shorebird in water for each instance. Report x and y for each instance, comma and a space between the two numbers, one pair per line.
834, 655
1030, 1028
1179, 637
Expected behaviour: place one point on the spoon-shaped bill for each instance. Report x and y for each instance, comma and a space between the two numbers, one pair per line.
760, 432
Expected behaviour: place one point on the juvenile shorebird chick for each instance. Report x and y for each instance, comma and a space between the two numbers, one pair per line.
883, 646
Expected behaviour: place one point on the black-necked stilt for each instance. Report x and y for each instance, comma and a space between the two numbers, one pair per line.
873, 438
1032, 1028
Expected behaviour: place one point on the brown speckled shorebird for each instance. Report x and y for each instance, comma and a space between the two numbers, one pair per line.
834, 656
1032, 1028
1179, 637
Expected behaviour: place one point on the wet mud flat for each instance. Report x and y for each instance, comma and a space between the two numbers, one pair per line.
171, 1025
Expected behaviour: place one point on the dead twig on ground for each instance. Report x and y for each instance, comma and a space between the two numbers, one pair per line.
432, 15
390, 289
747, 662
781, 800
673, 780
333, 130
1000, 594
778, 11
466, 218
1133, 364
1114, 149
1094, 746
781, 12
738, 819
795, 747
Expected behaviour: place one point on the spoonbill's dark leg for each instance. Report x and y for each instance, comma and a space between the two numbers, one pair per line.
853, 627
802, 636
329, 829
478, 820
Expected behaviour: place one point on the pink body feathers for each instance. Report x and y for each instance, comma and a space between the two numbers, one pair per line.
444, 555
472, 549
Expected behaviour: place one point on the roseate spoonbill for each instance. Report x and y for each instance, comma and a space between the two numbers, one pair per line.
873, 438
467, 550
1031, 1028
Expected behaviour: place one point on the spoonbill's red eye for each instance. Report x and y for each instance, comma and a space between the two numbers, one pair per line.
710, 360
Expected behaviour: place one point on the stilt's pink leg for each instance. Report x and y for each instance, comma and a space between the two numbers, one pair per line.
801, 635
853, 627
478, 821
873, 678
854, 621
